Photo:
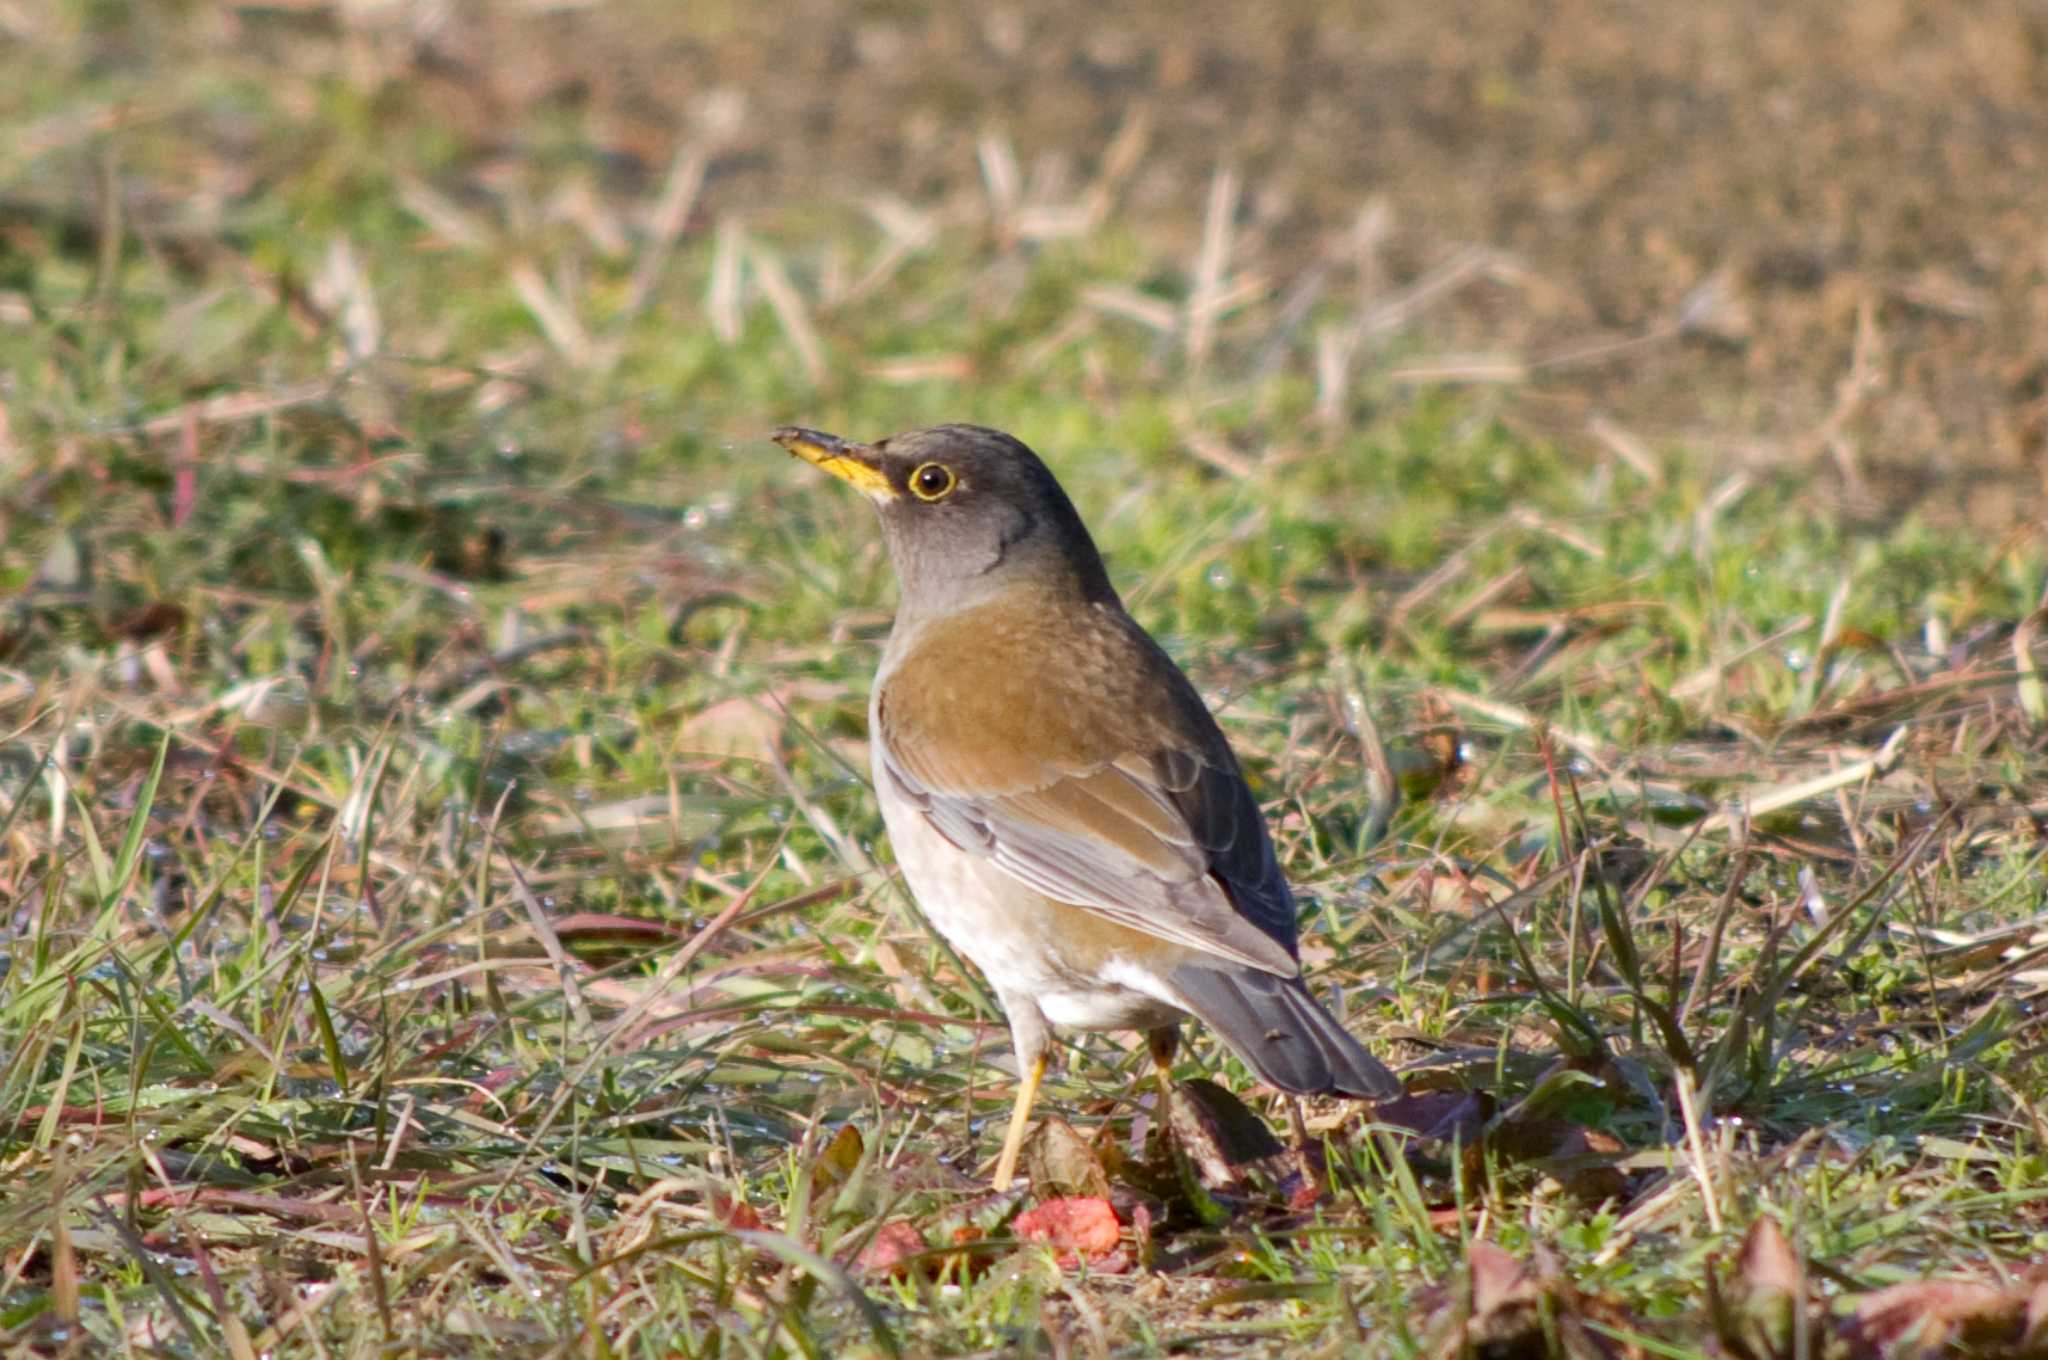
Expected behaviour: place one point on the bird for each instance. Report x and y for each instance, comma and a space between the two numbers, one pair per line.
1062, 805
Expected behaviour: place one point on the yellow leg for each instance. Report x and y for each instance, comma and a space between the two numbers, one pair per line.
1162, 1044
1020, 1119
1162, 1071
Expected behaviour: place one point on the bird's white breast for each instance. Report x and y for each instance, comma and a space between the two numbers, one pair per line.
1012, 933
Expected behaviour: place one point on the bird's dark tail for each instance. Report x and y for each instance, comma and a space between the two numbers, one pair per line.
1283, 1033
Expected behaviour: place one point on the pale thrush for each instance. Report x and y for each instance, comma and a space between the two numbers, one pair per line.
1064, 808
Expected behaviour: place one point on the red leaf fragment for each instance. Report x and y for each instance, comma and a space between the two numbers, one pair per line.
1078, 1227
736, 1214
1768, 1261
891, 1251
1498, 1278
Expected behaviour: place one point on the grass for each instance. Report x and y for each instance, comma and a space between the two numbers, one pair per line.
446, 914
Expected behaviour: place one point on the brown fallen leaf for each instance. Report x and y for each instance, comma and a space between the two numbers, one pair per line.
1766, 1297
1062, 1162
1515, 1308
1498, 1278
838, 1159
1444, 1115
1930, 1317
1452, 1218
1768, 1262
148, 621
1577, 1157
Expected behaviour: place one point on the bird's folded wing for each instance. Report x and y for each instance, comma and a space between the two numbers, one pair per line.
1168, 844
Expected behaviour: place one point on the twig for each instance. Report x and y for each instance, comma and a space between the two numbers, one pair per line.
1785, 795
1696, 1145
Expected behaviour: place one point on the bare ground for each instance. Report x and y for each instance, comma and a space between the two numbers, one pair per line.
1805, 232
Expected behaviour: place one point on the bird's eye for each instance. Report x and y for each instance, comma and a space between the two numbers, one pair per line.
932, 481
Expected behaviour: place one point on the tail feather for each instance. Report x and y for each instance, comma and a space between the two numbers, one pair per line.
1283, 1033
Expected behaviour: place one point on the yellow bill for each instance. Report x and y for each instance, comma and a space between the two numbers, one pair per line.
850, 462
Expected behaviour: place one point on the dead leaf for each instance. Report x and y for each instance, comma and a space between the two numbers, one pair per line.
891, 1252
840, 1157
1513, 1308
1498, 1279
1577, 1157
1766, 1297
1451, 1218
1448, 1116
1768, 1261
1062, 1162
148, 621
1928, 1317
1219, 1135
735, 1213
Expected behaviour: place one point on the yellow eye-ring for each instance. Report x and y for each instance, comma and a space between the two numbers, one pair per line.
932, 482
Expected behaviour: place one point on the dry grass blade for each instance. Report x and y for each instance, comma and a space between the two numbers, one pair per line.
456, 224
1875, 766
232, 1328
231, 407
1212, 266
1624, 444
1697, 1159
544, 930
728, 277
558, 320
1461, 368
1398, 309
1000, 177
373, 1255
671, 213
789, 310
1132, 306
1509, 715
2033, 694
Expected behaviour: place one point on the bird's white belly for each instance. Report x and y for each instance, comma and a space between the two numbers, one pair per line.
1012, 932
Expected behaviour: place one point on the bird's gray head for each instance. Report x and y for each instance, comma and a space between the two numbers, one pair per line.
968, 512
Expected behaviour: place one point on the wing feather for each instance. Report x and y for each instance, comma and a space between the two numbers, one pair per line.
1168, 841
